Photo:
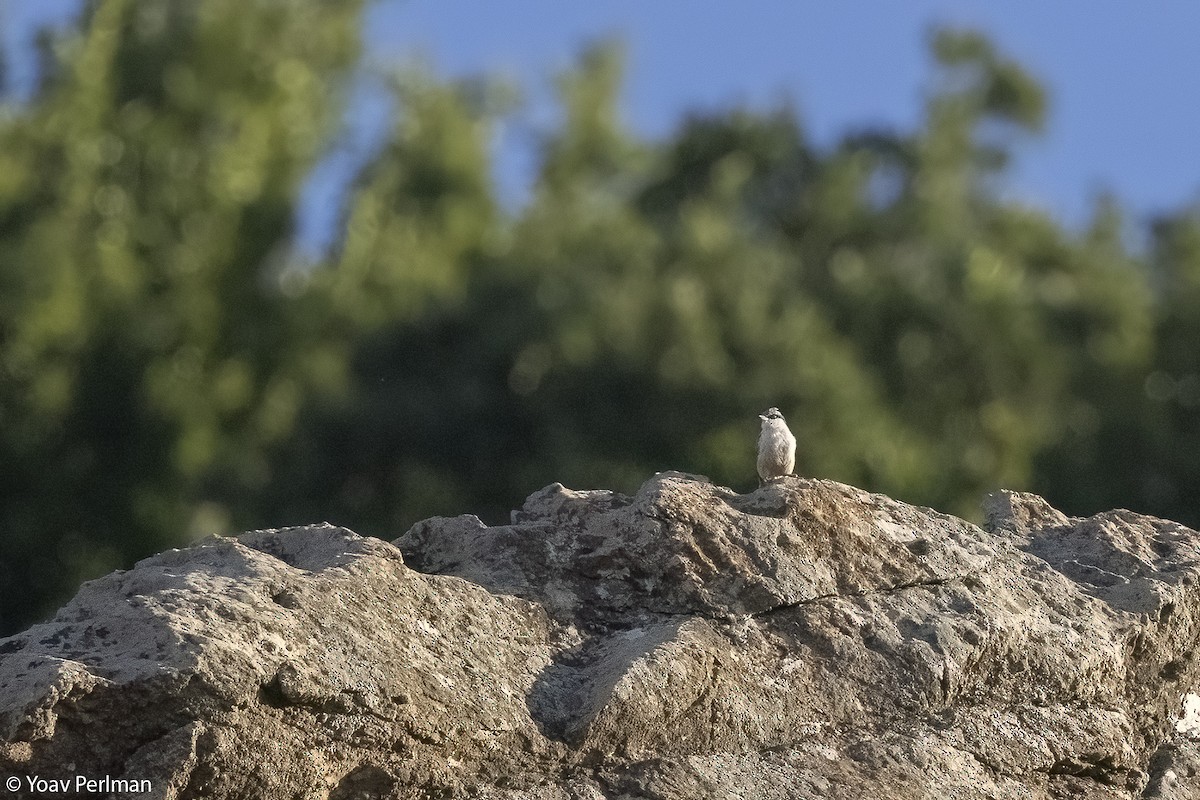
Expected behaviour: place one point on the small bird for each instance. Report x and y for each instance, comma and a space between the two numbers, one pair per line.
776, 447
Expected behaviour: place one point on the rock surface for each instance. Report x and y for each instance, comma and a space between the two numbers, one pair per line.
807, 640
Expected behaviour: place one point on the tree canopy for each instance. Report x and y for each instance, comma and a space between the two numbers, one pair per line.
170, 367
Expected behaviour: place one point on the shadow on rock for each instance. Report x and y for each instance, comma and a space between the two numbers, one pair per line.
578, 683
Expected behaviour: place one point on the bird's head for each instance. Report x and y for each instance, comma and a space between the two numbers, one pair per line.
771, 413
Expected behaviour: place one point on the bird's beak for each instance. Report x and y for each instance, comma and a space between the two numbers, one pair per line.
760, 416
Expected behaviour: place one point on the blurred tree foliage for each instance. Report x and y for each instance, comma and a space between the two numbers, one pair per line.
168, 367
150, 363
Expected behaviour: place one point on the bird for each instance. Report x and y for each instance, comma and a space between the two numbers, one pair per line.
776, 447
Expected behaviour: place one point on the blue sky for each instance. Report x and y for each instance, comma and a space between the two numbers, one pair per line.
1123, 77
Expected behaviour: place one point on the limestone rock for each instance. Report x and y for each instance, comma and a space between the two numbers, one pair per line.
807, 640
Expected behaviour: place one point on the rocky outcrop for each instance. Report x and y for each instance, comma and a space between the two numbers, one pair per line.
807, 640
